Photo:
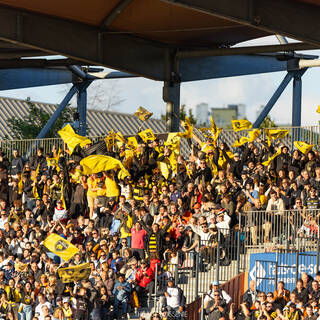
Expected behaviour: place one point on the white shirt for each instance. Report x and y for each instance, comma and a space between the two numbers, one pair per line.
173, 299
39, 308
209, 296
2, 222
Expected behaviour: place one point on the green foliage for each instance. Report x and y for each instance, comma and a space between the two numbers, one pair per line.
191, 117
268, 123
182, 112
30, 125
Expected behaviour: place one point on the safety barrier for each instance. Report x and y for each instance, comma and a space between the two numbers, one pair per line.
309, 134
287, 228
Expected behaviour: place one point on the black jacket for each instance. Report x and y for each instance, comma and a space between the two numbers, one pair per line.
159, 237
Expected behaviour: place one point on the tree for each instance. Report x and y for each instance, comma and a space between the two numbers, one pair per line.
267, 123
191, 117
104, 95
30, 125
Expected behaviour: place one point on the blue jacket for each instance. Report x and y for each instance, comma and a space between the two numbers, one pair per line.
122, 294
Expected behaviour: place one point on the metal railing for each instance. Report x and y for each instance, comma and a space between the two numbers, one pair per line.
217, 259
309, 134
286, 229
221, 257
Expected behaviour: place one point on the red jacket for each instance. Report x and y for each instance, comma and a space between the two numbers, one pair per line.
143, 280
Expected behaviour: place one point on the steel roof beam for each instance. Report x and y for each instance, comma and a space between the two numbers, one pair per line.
113, 15
83, 42
294, 19
247, 50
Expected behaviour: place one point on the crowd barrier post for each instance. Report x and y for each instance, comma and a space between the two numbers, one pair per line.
196, 287
218, 258
202, 306
276, 270
155, 287
317, 262
297, 266
238, 245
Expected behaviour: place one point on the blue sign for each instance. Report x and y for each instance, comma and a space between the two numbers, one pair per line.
263, 269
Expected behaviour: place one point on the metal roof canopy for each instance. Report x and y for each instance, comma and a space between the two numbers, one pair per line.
166, 40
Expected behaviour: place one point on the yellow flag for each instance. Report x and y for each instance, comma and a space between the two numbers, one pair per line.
147, 135
60, 246
143, 114
120, 137
109, 139
72, 139
173, 141
75, 273
164, 168
21, 267
214, 127
273, 134
132, 143
207, 147
239, 125
98, 163
53, 162
187, 134
266, 163
20, 186
213, 166
34, 188
318, 109
303, 147
253, 135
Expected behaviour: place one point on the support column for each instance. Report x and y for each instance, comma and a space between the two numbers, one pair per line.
171, 95
82, 106
57, 113
273, 100
296, 99
82, 110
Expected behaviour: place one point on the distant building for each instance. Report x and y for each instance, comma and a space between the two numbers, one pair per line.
202, 114
223, 116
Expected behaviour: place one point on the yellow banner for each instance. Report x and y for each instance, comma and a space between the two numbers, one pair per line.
318, 109
21, 267
253, 135
75, 273
53, 162
147, 135
187, 134
34, 188
98, 163
119, 137
173, 141
143, 114
239, 125
59, 246
132, 143
303, 147
273, 134
72, 139
109, 140
266, 163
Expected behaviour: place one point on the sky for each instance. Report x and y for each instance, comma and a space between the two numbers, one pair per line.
253, 91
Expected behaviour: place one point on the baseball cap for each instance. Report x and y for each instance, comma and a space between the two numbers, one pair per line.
215, 283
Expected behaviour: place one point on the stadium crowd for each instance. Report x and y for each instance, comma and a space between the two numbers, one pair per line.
133, 228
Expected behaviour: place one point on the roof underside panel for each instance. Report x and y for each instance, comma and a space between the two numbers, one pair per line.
149, 19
